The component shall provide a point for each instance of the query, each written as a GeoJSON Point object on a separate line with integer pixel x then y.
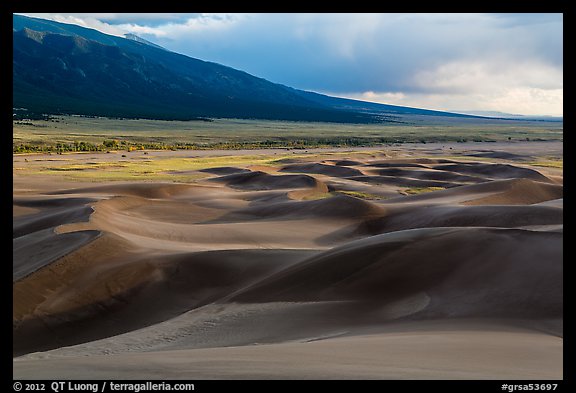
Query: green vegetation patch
{"type": "Point", "coordinates": [419, 190]}
{"type": "Point", "coordinates": [359, 194]}
{"type": "Point", "coordinates": [548, 163]}
{"type": "Point", "coordinates": [152, 168]}
{"type": "Point", "coordinates": [72, 134]}
{"type": "Point", "coordinates": [318, 196]}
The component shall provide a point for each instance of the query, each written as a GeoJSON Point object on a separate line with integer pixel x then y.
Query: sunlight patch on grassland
{"type": "Point", "coordinates": [548, 163]}
{"type": "Point", "coordinates": [359, 194]}
{"type": "Point", "coordinates": [419, 190]}
{"type": "Point", "coordinates": [152, 168]}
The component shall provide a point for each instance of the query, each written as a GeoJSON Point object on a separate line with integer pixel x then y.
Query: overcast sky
{"type": "Point", "coordinates": [459, 62]}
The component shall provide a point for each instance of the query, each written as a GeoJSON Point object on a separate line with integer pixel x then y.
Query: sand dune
{"type": "Point", "coordinates": [493, 171]}
{"type": "Point", "coordinates": [347, 163]}
{"type": "Point", "coordinates": [35, 250]}
{"type": "Point", "coordinates": [322, 169]}
{"type": "Point", "coordinates": [147, 289]}
{"type": "Point", "coordinates": [145, 190]}
{"type": "Point", "coordinates": [336, 207]}
{"type": "Point", "coordinates": [521, 192]}
{"type": "Point", "coordinates": [508, 355]}
{"type": "Point", "coordinates": [209, 229]}
{"type": "Point", "coordinates": [554, 203]}
{"type": "Point", "coordinates": [503, 155]}
{"type": "Point", "coordinates": [497, 192]}
{"type": "Point", "coordinates": [49, 219]}
{"type": "Point", "coordinates": [396, 164]}
{"type": "Point", "coordinates": [46, 203]}
{"type": "Point", "coordinates": [225, 170]}
{"type": "Point", "coordinates": [427, 174]}
{"type": "Point", "coordinates": [263, 181]}
{"type": "Point", "coordinates": [403, 181]}
{"type": "Point", "coordinates": [390, 267]}
{"type": "Point", "coordinates": [499, 216]}
{"type": "Point", "coordinates": [409, 162]}
{"type": "Point", "coordinates": [322, 270]}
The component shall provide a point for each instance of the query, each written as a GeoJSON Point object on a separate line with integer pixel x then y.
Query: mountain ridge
{"type": "Point", "coordinates": [66, 68]}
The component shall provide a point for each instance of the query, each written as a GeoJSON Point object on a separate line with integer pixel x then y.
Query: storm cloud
{"type": "Point", "coordinates": [503, 62]}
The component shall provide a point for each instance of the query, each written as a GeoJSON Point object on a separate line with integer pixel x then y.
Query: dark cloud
{"type": "Point", "coordinates": [368, 52]}
{"type": "Point", "coordinates": [412, 54]}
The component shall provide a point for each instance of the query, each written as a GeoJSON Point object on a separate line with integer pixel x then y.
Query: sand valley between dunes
{"type": "Point", "coordinates": [413, 261]}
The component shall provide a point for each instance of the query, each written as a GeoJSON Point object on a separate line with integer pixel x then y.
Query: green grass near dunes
{"type": "Point", "coordinates": [155, 168]}
{"type": "Point", "coordinates": [355, 194]}
{"type": "Point", "coordinates": [318, 196]}
{"type": "Point", "coordinates": [96, 133]}
{"type": "Point", "coordinates": [359, 194]}
{"type": "Point", "coordinates": [419, 190]}
{"type": "Point", "coordinates": [177, 169]}
{"type": "Point", "coordinates": [548, 163]}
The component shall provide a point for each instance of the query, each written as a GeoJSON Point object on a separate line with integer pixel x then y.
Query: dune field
{"type": "Point", "coordinates": [413, 261]}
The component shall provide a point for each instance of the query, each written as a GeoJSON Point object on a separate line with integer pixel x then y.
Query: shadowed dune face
{"type": "Point", "coordinates": [497, 192]}
{"type": "Point", "coordinates": [50, 218]}
{"type": "Point", "coordinates": [145, 190]}
{"type": "Point", "coordinates": [317, 251]}
{"type": "Point", "coordinates": [263, 181]}
{"type": "Point", "coordinates": [404, 181]}
{"type": "Point", "coordinates": [33, 251]}
{"type": "Point", "coordinates": [409, 162]}
{"type": "Point", "coordinates": [338, 207]}
{"type": "Point", "coordinates": [442, 263]}
{"type": "Point", "coordinates": [225, 170]}
{"type": "Point", "coordinates": [323, 169]}
{"type": "Point", "coordinates": [443, 173]}
{"type": "Point", "coordinates": [493, 171]}
{"type": "Point", "coordinates": [347, 163]}
{"type": "Point", "coordinates": [438, 216]}
{"type": "Point", "coordinates": [420, 172]}
{"type": "Point", "coordinates": [142, 289]}
{"type": "Point", "coordinates": [427, 174]}
{"type": "Point", "coordinates": [499, 155]}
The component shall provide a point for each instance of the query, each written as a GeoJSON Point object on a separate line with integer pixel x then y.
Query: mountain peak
{"type": "Point", "coordinates": [134, 37]}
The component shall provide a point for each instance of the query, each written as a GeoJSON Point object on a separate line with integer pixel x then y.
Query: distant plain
{"type": "Point", "coordinates": [238, 133]}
